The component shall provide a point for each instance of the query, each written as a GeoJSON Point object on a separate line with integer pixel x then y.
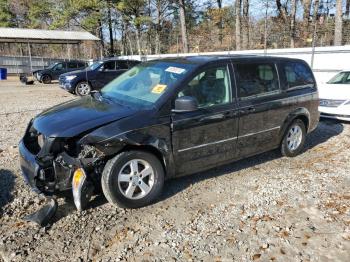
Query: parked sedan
{"type": "Point", "coordinates": [94, 77]}
{"type": "Point", "coordinates": [168, 118]}
{"type": "Point", "coordinates": [55, 70]}
{"type": "Point", "coordinates": [335, 97]}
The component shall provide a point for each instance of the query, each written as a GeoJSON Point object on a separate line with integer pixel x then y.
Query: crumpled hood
{"type": "Point", "coordinates": [75, 117]}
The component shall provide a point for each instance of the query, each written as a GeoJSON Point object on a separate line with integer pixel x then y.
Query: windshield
{"type": "Point", "coordinates": [52, 65]}
{"type": "Point", "coordinates": [341, 78]}
{"type": "Point", "coordinates": [145, 83]}
{"type": "Point", "coordinates": [94, 65]}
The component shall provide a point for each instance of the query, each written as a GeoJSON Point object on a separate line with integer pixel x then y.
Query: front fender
{"type": "Point", "coordinates": [154, 137]}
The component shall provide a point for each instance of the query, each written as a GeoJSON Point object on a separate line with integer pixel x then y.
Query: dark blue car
{"type": "Point", "coordinates": [94, 77]}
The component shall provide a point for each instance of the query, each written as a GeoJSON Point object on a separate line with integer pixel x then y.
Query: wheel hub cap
{"type": "Point", "coordinates": [84, 89]}
{"type": "Point", "coordinates": [136, 179]}
{"type": "Point", "coordinates": [294, 137]}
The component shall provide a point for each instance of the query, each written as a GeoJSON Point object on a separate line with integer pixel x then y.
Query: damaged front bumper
{"type": "Point", "coordinates": [51, 178]}
{"type": "Point", "coordinates": [30, 168]}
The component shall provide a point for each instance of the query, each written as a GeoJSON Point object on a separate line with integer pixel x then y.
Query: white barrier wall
{"type": "Point", "coordinates": [327, 60]}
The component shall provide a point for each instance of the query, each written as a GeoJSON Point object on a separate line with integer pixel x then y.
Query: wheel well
{"type": "Point", "coordinates": [81, 81]}
{"type": "Point", "coordinates": [148, 149]}
{"type": "Point", "coordinates": [305, 121]}
{"type": "Point", "coordinates": [303, 118]}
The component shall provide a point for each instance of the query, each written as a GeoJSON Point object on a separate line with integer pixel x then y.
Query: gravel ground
{"type": "Point", "coordinates": [265, 208]}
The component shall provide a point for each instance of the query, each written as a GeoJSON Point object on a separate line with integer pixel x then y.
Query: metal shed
{"type": "Point", "coordinates": [38, 36]}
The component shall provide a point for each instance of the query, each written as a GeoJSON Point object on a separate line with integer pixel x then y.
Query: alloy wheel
{"type": "Point", "coordinates": [83, 89]}
{"type": "Point", "coordinates": [136, 179]}
{"type": "Point", "coordinates": [294, 137]}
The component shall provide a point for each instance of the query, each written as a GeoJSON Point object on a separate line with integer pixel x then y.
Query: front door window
{"type": "Point", "coordinates": [210, 87]}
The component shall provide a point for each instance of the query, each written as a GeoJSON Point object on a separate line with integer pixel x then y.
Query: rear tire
{"type": "Point", "coordinates": [132, 179]}
{"type": "Point", "coordinates": [82, 88]}
{"type": "Point", "coordinates": [294, 139]}
{"type": "Point", "coordinates": [46, 79]}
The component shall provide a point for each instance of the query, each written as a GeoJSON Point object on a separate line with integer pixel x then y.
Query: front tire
{"type": "Point", "coordinates": [132, 179]}
{"type": "Point", "coordinates": [83, 88]}
{"type": "Point", "coordinates": [294, 139]}
{"type": "Point", "coordinates": [46, 79]}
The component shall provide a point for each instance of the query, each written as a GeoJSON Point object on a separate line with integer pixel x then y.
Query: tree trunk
{"type": "Point", "coordinates": [292, 23]}
{"type": "Point", "coordinates": [158, 27]}
{"type": "Point", "coordinates": [282, 11]}
{"type": "Point", "coordinates": [111, 50]}
{"type": "Point", "coordinates": [306, 18]}
{"type": "Point", "coordinates": [314, 23]}
{"type": "Point", "coordinates": [183, 26]}
{"type": "Point", "coordinates": [101, 37]}
{"type": "Point", "coordinates": [238, 24]}
{"type": "Point", "coordinates": [221, 24]}
{"type": "Point", "coordinates": [130, 44]}
{"type": "Point", "coordinates": [138, 43]}
{"type": "Point", "coordinates": [347, 10]}
{"type": "Point", "coordinates": [306, 12]}
{"type": "Point", "coordinates": [338, 23]}
{"type": "Point", "coordinates": [245, 25]}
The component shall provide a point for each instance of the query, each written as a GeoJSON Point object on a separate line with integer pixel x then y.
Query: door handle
{"type": "Point", "coordinates": [248, 110]}
{"type": "Point", "coordinates": [220, 116]}
{"type": "Point", "coordinates": [212, 117]}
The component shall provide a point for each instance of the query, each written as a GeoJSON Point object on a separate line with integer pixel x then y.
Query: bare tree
{"type": "Point", "coordinates": [314, 34]}
{"type": "Point", "coordinates": [183, 26]}
{"type": "Point", "coordinates": [282, 10]}
{"type": "Point", "coordinates": [238, 24]}
{"type": "Point", "coordinates": [110, 27]}
{"type": "Point", "coordinates": [292, 23]}
{"type": "Point", "coordinates": [338, 23]}
{"type": "Point", "coordinates": [161, 10]}
{"type": "Point", "coordinates": [219, 2]}
{"type": "Point", "coordinates": [306, 12]}
{"type": "Point", "coordinates": [245, 25]}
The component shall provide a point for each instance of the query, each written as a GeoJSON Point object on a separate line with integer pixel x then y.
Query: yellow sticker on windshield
{"type": "Point", "coordinates": [158, 89]}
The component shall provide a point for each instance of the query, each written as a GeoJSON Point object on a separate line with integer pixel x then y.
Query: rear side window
{"type": "Point", "coordinates": [297, 75]}
{"type": "Point", "coordinates": [81, 65]}
{"type": "Point", "coordinates": [256, 79]}
{"type": "Point", "coordinates": [72, 65]}
{"type": "Point", "coordinates": [122, 65]}
{"type": "Point", "coordinates": [132, 63]}
{"type": "Point", "coordinates": [109, 66]}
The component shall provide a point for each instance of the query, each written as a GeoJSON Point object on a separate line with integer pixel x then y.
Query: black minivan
{"type": "Point", "coordinates": [96, 76]}
{"type": "Point", "coordinates": [168, 118]}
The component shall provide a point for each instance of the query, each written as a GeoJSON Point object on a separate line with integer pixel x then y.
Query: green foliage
{"type": "Point", "coordinates": [6, 17]}
{"type": "Point", "coordinates": [134, 12]}
{"type": "Point", "coordinates": [83, 13]}
{"type": "Point", "coordinates": [39, 13]}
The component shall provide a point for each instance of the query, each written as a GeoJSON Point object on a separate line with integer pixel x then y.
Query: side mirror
{"type": "Point", "coordinates": [185, 104]}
